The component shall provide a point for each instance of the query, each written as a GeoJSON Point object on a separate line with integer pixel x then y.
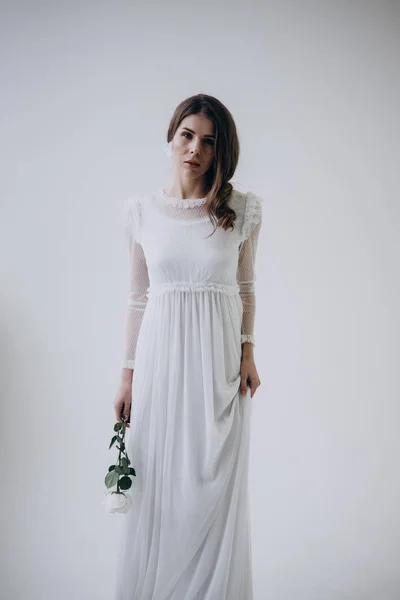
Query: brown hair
{"type": "Point", "coordinates": [226, 147]}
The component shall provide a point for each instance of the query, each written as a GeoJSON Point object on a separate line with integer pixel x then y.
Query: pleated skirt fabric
{"type": "Point", "coordinates": [187, 535]}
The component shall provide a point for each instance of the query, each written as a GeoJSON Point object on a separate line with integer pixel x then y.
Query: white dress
{"type": "Point", "coordinates": [191, 305]}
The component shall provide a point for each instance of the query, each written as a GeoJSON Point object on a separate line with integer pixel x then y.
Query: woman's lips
{"type": "Point", "coordinates": [192, 165]}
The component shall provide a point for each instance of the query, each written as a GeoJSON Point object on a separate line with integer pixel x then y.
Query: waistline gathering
{"type": "Point", "coordinates": [192, 286]}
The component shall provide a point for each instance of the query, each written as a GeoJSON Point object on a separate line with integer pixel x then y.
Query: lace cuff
{"type": "Point", "coordinates": [128, 364]}
{"type": "Point", "coordinates": [247, 338]}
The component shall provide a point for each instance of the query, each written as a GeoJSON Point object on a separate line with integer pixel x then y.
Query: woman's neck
{"type": "Point", "coordinates": [185, 191]}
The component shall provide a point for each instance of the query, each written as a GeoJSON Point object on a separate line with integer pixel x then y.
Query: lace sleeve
{"type": "Point", "coordinates": [246, 274]}
{"type": "Point", "coordinates": [138, 281]}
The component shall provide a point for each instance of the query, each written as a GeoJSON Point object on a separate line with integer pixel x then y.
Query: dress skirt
{"type": "Point", "coordinates": [187, 535]}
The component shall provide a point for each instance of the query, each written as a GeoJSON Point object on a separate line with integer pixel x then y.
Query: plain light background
{"type": "Point", "coordinates": [88, 89]}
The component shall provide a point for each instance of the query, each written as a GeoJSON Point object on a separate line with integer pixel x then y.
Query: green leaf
{"type": "Point", "coordinates": [125, 483]}
{"type": "Point", "coordinates": [112, 441]}
{"type": "Point", "coordinates": [132, 471]}
{"type": "Point", "coordinates": [111, 478]}
{"type": "Point", "coordinates": [117, 426]}
{"type": "Point", "coordinates": [110, 468]}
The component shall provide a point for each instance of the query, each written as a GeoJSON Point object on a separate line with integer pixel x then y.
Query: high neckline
{"type": "Point", "coordinates": [181, 202]}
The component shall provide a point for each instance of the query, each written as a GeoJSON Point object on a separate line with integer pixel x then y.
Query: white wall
{"type": "Point", "coordinates": [88, 89]}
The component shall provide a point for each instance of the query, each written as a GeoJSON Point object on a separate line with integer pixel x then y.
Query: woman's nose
{"type": "Point", "coordinates": [196, 148]}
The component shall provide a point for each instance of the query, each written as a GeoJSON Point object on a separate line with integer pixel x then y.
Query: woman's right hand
{"type": "Point", "coordinates": [123, 401]}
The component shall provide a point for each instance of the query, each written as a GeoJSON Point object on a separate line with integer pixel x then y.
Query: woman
{"type": "Point", "coordinates": [189, 343]}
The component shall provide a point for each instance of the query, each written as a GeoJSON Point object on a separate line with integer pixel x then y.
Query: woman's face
{"type": "Point", "coordinates": [194, 141]}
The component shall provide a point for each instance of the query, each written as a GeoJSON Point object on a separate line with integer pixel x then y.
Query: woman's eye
{"type": "Point", "coordinates": [207, 140]}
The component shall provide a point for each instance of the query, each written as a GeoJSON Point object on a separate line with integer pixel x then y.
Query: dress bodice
{"type": "Point", "coordinates": [171, 248]}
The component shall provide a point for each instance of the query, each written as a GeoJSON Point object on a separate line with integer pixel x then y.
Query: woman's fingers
{"type": "Point", "coordinates": [126, 412]}
{"type": "Point", "coordinates": [253, 386]}
{"type": "Point", "coordinates": [243, 385]}
{"type": "Point", "coordinates": [122, 410]}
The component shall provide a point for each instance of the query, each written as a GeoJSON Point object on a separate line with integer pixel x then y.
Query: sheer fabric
{"type": "Point", "coordinates": [137, 296]}
{"type": "Point", "coordinates": [191, 307]}
{"type": "Point", "coordinates": [249, 218]}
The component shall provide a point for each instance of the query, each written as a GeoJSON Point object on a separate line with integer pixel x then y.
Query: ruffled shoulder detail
{"type": "Point", "coordinates": [252, 213]}
{"type": "Point", "coordinates": [131, 217]}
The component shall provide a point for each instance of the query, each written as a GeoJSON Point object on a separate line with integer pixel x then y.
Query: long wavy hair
{"type": "Point", "coordinates": [226, 148]}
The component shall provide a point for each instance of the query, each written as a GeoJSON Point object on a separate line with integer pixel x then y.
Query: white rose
{"type": "Point", "coordinates": [115, 502]}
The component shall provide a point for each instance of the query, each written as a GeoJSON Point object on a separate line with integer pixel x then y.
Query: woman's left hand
{"type": "Point", "coordinates": [248, 371]}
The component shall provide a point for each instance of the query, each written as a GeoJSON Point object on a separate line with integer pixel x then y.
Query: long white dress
{"type": "Point", "coordinates": [191, 305]}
